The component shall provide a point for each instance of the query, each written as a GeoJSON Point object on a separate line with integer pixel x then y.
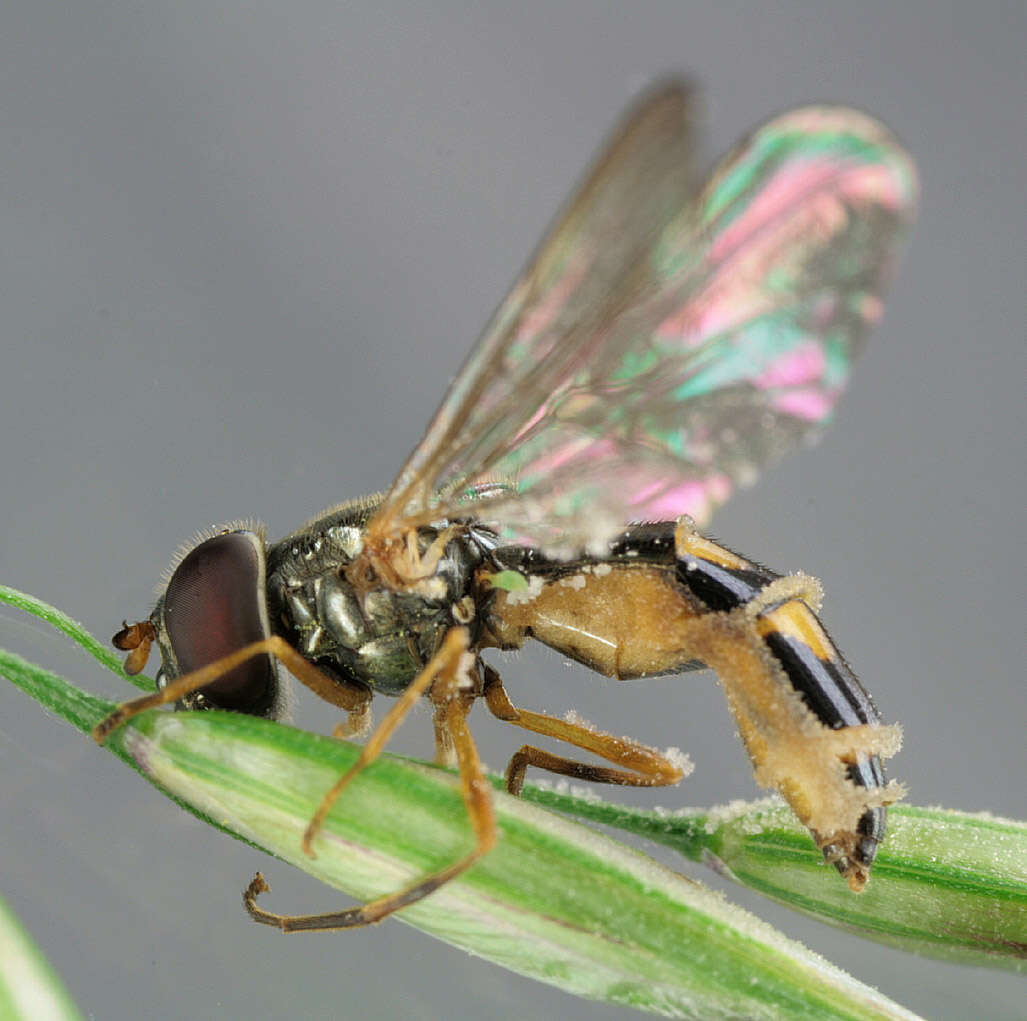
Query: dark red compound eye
{"type": "Point", "coordinates": [215, 605]}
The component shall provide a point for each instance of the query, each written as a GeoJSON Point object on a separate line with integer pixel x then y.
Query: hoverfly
{"type": "Point", "coordinates": [664, 343]}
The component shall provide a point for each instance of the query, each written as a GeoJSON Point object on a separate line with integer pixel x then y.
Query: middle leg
{"type": "Point", "coordinates": [451, 705]}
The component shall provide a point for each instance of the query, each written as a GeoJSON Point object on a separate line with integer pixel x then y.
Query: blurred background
{"type": "Point", "coordinates": [246, 245]}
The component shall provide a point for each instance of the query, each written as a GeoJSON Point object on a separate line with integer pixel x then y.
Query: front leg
{"type": "Point", "coordinates": [355, 699]}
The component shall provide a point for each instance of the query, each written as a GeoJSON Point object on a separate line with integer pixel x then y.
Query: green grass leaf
{"type": "Point", "coordinates": [946, 884]}
{"type": "Point", "coordinates": [555, 900]}
{"type": "Point", "coordinates": [29, 988]}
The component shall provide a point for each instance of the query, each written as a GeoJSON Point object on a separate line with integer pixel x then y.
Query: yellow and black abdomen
{"type": "Point", "coordinates": [667, 599]}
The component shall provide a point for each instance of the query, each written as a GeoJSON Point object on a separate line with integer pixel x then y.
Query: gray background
{"type": "Point", "coordinates": [245, 245]}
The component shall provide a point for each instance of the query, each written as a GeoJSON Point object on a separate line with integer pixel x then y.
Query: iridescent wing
{"type": "Point", "coordinates": [665, 342]}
